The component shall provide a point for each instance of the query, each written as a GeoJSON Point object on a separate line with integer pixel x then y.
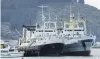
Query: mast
{"type": "Point", "coordinates": [70, 12]}
{"type": "Point", "coordinates": [71, 25]}
{"type": "Point", "coordinates": [30, 20]}
{"type": "Point", "coordinates": [49, 16]}
{"type": "Point", "coordinates": [43, 18]}
{"type": "Point", "coordinates": [49, 19]}
{"type": "Point", "coordinates": [78, 15]}
{"type": "Point", "coordinates": [78, 19]}
{"type": "Point", "coordinates": [56, 18]}
{"type": "Point", "coordinates": [71, 15]}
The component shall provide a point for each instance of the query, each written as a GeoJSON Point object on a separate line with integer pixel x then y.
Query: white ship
{"type": "Point", "coordinates": [7, 52]}
{"type": "Point", "coordinates": [48, 39]}
{"type": "Point", "coordinates": [41, 39]}
{"type": "Point", "coordinates": [76, 39]}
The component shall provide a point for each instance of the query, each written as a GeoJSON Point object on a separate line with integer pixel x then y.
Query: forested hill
{"type": "Point", "coordinates": [15, 13]}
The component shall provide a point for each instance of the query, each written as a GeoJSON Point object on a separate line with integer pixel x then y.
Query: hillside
{"type": "Point", "coordinates": [24, 12]}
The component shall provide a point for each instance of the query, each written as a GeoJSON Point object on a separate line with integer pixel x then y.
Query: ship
{"type": "Point", "coordinates": [47, 39]}
{"type": "Point", "coordinates": [76, 39]}
{"type": "Point", "coordinates": [41, 39]}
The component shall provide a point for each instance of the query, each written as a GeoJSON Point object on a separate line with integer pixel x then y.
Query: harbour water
{"type": "Point", "coordinates": [95, 54]}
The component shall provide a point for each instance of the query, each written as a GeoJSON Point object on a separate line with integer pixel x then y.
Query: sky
{"type": "Point", "coordinates": [95, 3]}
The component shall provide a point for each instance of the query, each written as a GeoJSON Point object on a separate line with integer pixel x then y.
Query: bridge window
{"type": "Point", "coordinates": [4, 51]}
{"type": "Point", "coordinates": [78, 30]}
{"type": "Point", "coordinates": [11, 50]}
{"type": "Point", "coordinates": [41, 31]}
{"type": "Point", "coordinates": [48, 31]}
{"type": "Point", "coordinates": [68, 34]}
{"type": "Point", "coordinates": [77, 33]}
{"type": "Point", "coordinates": [75, 30]}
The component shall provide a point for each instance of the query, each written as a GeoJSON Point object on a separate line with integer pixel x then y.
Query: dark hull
{"type": "Point", "coordinates": [77, 53]}
{"type": "Point", "coordinates": [45, 50]}
{"type": "Point", "coordinates": [81, 48]}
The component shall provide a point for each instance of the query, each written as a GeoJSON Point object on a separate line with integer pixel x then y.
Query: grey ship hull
{"type": "Point", "coordinates": [81, 48]}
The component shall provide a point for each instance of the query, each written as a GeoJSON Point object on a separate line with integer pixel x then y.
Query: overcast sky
{"type": "Point", "coordinates": [95, 3]}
